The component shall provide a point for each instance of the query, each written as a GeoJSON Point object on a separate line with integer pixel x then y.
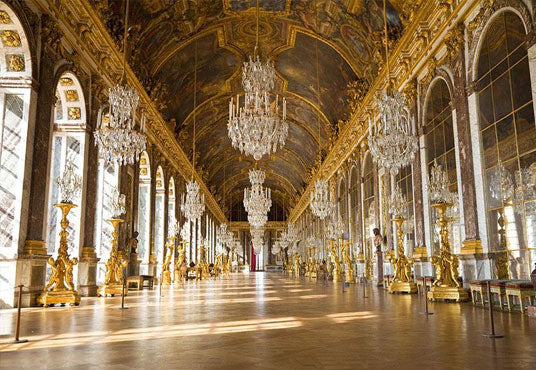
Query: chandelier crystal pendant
{"type": "Point", "coordinates": [391, 141]}
{"type": "Point", "coordinates": [321, 204]}
{"type": "Point", "coordinates": [117, 203]}
{"type": "Point", "coordinates": [257, 239]}
{"type": "Point", "coordinates": [257, 200]}
{"type": "Point", "coordinates": [224, 235]}
{"type": "Point", "coordinates": [117, 139]}
{"type": "Point", "coordinates": [69, 184]}
{"type": "Point", "coordinates": [193, 204]}
{"type": "Point", "coordinates": [397, 204]}
{"type": "Point", "coordinates": [256, 128]}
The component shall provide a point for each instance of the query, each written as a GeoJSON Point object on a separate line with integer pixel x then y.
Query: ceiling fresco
{"type": "Point", "coordinates": [163, 37]}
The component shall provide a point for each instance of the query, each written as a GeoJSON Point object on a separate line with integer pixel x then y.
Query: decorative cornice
{"type": "Point", "coordinates": [87, 34]}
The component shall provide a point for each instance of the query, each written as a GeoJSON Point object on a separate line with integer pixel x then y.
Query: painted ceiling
{"type": "Point", "coordinates": [165, 35]}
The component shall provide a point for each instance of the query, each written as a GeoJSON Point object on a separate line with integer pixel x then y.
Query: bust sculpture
{"type": "Point", "coordinates": [133, 243]}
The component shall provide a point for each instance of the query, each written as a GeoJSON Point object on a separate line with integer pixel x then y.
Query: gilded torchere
{"type": "Point", "coordinates": [296, 265]}
{"type": "Point", "coordinates": [349, 273]}
{"type": "Point", "coordinates": [113, 281]}
{"type": "Point", "coordinates": [337, 270]}
{"type": "Point", "coordinates": [179, 270]}
{"type": "Point", "coordinates": [403, 279]}
{"type": "Point", "coordinates": [60, 287]}
{"type": "Point", "coordinates": [166, 271]}
{"type": "Point", "coordinates": [446, 285]}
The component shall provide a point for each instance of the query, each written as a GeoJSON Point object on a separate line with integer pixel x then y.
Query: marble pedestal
{"type": "Point", "coordinates": [474, 267]}
{"type": "Point", "coordinates": [31, 267]}
{"type": "Point", "coordinates": [87, 273]}
{"type": "Point", "coordinates": [134, 265]}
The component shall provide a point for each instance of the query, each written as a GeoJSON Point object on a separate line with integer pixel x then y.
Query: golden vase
{"type": "Point", "coordinates": [403, 279]}
{"type": "Point", "coordinates": [60, 286]}
{"type": "Point", "coordinates": [113, 281]}
{"type": "Point", "coordinates": [446, 286]}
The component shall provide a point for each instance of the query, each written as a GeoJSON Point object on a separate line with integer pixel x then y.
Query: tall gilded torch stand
{"type": "Point", "coordinates": [166, 271]}
{"type": "Point", "coordinates": [113, 281]}
{"type": "Point", "coordinates": [60, 287]}
{"type": "Point", "coordinates": [402, 280]}
{"type": "Point", "coordinates": [349, 274]}
{"type": "Point", "coordinates": [314, 264]}
{"type": "Point", "coordinates": [446, 285]}
{"type": "Point", "coordinates": [337, 270]}
{"type": "Point", "coordinates": [180, 264]}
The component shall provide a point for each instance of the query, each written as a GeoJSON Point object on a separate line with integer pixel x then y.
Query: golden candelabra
{"type": "Point", "coordinates": [337, 270]}
{"type": "Point", "coordinates": [166, 271]}
{"type": "Point", "coordinates": [60, 287]}
{"type": "Point", "coordinates": [313, 270]}
{"type": "Point", "coordinates": [349, 274]}
{"type": "Point", "coordinates": [446, 285]}
{"type": "Point", "coordinates": [203, 264]}
{"type": "Point", "coordinates": [218, 265]}
{"type": "Point", "coordinates": [296, 265]}
{"type": "Point", "coordinates": [501, 262]}
{"type": "Point", "coordinates": [113, 280]}
{"type": "Point", "coordinates": [402, 280]}
{"type": "Point", "coordinates": [179, 270]}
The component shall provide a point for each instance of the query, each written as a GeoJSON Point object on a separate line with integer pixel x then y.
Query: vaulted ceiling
{"type": "Point", "coordinates": [165, 34]}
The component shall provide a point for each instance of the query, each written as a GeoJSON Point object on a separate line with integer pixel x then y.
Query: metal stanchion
{"type": "Point", "coordinates": [364, 286]}
{"type": "Point", "coordinates": [17, 326]}
{"type": "Point", "coordinates": [123, 295]}
{"type": "Point", "coordinates": [426, 311]}
{"type": "Point", "coordinates": [491, 321]}
{"type": "Point", "coordinates": [160, 289]}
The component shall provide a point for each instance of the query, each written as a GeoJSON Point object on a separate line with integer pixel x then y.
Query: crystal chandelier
{"type": "Point", "coordinates": [224, 235]}
{"type": "Point", "coordinates": [438, 187]}
{"type": "Point", "coordinates": [391, 140]}
{"type": "Point", "coordinates": [321, 204]}
{"type": "Point", "coordinates": [397, 204]}
{"type": "Point", "coordinates": [335, 228]}
{"type": "Point", "coordinates": [257, 239]}
{"type": "Point", "coordinates": [185, 232]}
{"type": "Point", "coordinates": [193, 204]}
{"type": "Point", "coordinates": [256, 128]}
{"type": "Point", "coordinates": [257, 200]}
{"type": "Point", "coordinates": [117, 139]}
{"type": "Point", "coordinates": [117, 203]}
{"type": "Point", "coordinates": [70, 184]}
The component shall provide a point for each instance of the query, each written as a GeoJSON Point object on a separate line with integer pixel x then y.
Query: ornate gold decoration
{"type": "Point", "coordinates": [15, 63]}
{"type": "Point", "coordinates": [337, 270]}
{"type": "Point", "coordinates": [10, 38]}
{"type": "Point", "coordinates": [420, 253]}
{"type": "Point", "coordinates": [296, 265]}
{"type": "Point", "coordinates": [218, 266]}
{"type": "Point", "coordinates": [74, 113]}
{"type": "Point", "coordinates": [4, 17]}
{"type": "Point", "coordinates": [35, 247]}
{"type": "Point", "coordinates": [88, 253]}
{"type": "Point", "coordinates": [66, 81]}
{"type": "Point", "coordinates": [402, 280]}
{"type": "Point", "coordinates": [166, 272]}
{"type": "Point", "coordinates": [113, 280]}
{"type": "Point", "coordinates": [349, 273]}
{"type": "Point", "coordinates": [501, 262]}
{"type": "Point", "coordinates": [203, 263]}
{"type": "Point", "coordinates": [446, 286]}
{"type": "Point", "coordinates": [71, 95]}
{"type": "Point", "coordinates": [179, 270]}
{"type": "Point", "coordinates": [356, 92]}
{"type": "Point", "coordinates": [60, 287]}
{"type": "Point", "coordinates": [472, 247]}
{"type": "Point", "coordinates": [454, 42]}
{"type": "Point", "coordinates": [486, 6]}
{"type": "Point", "coordinates": [369, 269]}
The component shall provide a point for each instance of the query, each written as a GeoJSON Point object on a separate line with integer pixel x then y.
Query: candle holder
{"type": "Point", "coordinates": [166, 271]}
{"type": "Point", "coordinates": [60, 286]}
{"type": "Point", "coordinates": [349, 273]}
{"type": "Point", "coordinates": [179, 270]}
{"type": "Point", "coordinates": [337, 270]}
{"type": "Point", "coordinates": [446, 286]}
{"type": "Point", "coordinates": [113, 280]}
{"type": "Point", "coordinates": [403, 279]}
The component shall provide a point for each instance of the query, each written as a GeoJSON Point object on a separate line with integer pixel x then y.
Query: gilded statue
{"type": "Point", "coordinates": [337, 270]}
{"type": "Point", "coordinates": [349, 264]}
{"type": "Point", "coordinates": [166, 272]}
{"type": "Point", "coordinates": [218, 265]}
{"type": "Point", "coordinates": [297, 267]}
{"type": "Point", "coordinates": [180, 267]}
{"type": "Point", "coordinates": [113, 278]}
{"type": "Point", "coordinates": [203, 264]}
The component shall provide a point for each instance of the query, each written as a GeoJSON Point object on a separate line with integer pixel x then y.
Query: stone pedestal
{"type": "Point", "coordinates": [133, 265]}
{"type": "Point", "coordinates": [31, 272]}
{"type": "Point", "coordinates": [87, 272]}
{"type": "Point", "coordinates": [152, 267]}
{"type": "Point", "coordinates": [474, 267]}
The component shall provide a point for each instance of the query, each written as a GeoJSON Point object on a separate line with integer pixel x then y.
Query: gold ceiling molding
{"type": "Point", "coordinates": [83, 27]}
{"type": "Point", "coordinates": [270, 225]}
{"type": "Point", "coordinates": [422, 39]}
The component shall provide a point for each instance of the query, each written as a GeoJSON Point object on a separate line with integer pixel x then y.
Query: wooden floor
{"type": "Point", "coordinates": [266, 321]}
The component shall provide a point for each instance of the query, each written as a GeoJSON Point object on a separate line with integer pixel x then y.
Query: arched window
{"type": "Point", "coordinates": [159, 209]}
{"type": "Point", "coordinates": [15, 99]}
{"type": "Point", "coordinates": [343, 204]}
{"type": "Point", "coordinates": [144, 210]}
{"type": "Point", "coordinates": [354, 206]}
{"type": "Point", "coordinates": [439, 144]}
{"type": "Point", "coordinates": [508, 137]}
{"type": "Point", "coordinates": [369, 211]}
{"type": "Point", "coordinates": [69, 138]}
{"type": "Point", "coordinates": [172, 219]}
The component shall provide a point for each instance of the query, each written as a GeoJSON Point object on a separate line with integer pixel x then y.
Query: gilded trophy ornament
{"type": "Point", "coordinates": [60, 286]}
